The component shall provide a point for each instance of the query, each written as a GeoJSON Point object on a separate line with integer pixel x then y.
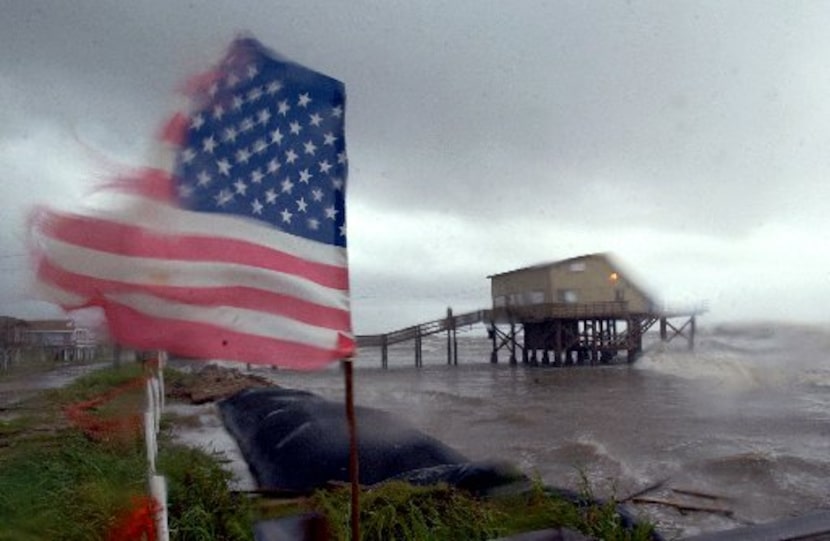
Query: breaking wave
{"type": "Point", "coordinates": [746, 356]}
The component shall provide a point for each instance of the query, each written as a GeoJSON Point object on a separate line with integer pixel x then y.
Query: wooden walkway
{"type": "Point", "coordinates": [449, 324]}
{"type": "Point", "coordinates": [588, 331]}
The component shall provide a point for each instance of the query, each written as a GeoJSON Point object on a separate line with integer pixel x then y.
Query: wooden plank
{"type": "Point", "coordinates": [685, 506]}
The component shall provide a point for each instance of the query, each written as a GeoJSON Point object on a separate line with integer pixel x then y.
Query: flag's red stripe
{"type": "Point", "coordinates": [203, 341]}
{"type": "Point", "coordinates": [155, 184]}
{"type": "Point", "coordinates": [240, 297]}
{"type": "Point", "coordinates": [175, 131]}
{"type": "Point", "coordinates": [127, 240]}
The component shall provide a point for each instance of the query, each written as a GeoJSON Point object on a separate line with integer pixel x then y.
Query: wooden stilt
{"type": "Point", "coordinates": [494, 355]}
{"type": "Point", "coordinates": [449, 335]}
{"type": "Point", "coordinates": [513, 343]}
{"type": "Point", "coordinates": [692, 329]}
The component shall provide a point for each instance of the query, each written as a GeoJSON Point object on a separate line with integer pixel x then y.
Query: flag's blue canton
{"type": "Point", "coordinates": [269, 144]}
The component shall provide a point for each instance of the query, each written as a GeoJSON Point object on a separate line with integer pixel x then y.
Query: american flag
{"type": "Point", "coordinates": [236, 252]}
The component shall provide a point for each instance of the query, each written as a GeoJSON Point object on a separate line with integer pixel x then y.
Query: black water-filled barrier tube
{"type": "Point", "coordinates": [297, 441]}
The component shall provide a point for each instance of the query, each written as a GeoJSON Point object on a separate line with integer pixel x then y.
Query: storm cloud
{"type": "Point", "coordinates": [690, 138]}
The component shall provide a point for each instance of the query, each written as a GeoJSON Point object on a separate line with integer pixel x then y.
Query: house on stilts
{"type": "Point", "coordinates": [585, 309]}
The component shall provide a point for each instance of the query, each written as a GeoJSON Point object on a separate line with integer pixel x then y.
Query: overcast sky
{"type": "Point", "coordinates": [692, 139]}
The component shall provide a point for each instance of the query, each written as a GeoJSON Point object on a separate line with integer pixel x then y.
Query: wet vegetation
{"type": "Point", "coordinates": [57, 482]}
{"type": "Point", "coordinates": [397, 510]}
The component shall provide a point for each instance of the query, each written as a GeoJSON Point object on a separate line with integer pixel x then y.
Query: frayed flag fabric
{"type": "Point", "coordinates": [237, 251]}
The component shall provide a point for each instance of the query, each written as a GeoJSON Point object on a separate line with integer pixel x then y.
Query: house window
{"type": "Point", "coordinates": [567, 295]}
{"type": "Point", "coordinates": [578, 266]}
{"type": "Point", "coordinates": [536, 297]}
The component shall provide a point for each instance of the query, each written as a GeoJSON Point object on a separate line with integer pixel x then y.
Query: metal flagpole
{"type": "Point", "coordinates": [353, 462]}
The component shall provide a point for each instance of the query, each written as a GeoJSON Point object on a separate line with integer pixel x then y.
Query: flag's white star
{"type": "Point", "coordinates": [313, 224]}
{"type": "Point", "coordinates": [240, 186]}
{"type": "Point", "coordinates": [246, 125]}
{"type": "Point", "coordinates": [304, 100]}
{"type": "Point", "coordinates": [197, 122]}
{"type": "Point", "coordinates": [203, 178]}
{"type": "Point", "coordinates": [305, 176]}
{"type": "Point", "coordinates": [243, 155]}
{"type": "Point", "coordinates": [337, 111]}
{"type": "Point", "coordinates": [263, 116]}
{"type": "Point", "coordinates": [274, 165]}
{"type": "Point", "coordinates": [331, 212]}
{"type": "Point", "coordinates": [252, 71]}
{"type": "Point", "coordinates": [224, 167]}
{"type": "Point", "coordinates": [287, 185]}
{"type": "Point", "coordinates": [223, 198]}
{"type": "Point", "coordinates": [310, 147]}
{"type": "Point", "coordinates": [295, 128]}
{"type": "Point", "coordinates": [232, 80]}
{"type": "Point", "coordinates": [218, 112]}
{"type": "Point", "coordinates": [185, 191]}
{"type": "Point", "coordinates": [286, 216]}
{"type": "Point", "coordinates": [188, 154]}
{"type": "Point", "coordinates": [237, 102]}
{"type": "Point", "coordinates": [257, 176]}
{"type": "Point", "coordinates": [276, 136]}
{"type": "Point", "coordinates": [254, 94]}
{"type": "Point", "coordinates": [271, 196]}
{"type": "Point", "coordinates": [208, 144]}
{"type": "Point", "coordinates": [301, 205]}
{"type": "Point", "coordinates": [256, 206]}
{"type": "Point", "coordinates": [343, 230]}
{"type": "Point", "coordinates": [329, 138]}
{"type": "Point", "coordinates": [229, 136]}
{"type": "Point", "coordinates": [290, 156]}
{"type": "Point", "coordinates": [317, 194]}
{"type": "Point", "coordinates": [325, 166]}
{"type": "Point", "coordinates": [341, 157]}
{"type": "Point", "coordinates": [315, 119]}
{"type": "Point", "coordinates": [283, 108]}
{"type": "Point", "coordinates": [337, 183]}
{"type": "Point", "coordinates": [260, 146]}
{"type": "Point", "coordinates": [273, 87]}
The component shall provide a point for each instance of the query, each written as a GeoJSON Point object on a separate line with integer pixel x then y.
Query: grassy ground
{"type": "Point", "coordinates": [60, 482]}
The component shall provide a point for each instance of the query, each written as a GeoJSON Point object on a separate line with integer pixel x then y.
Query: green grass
{"type": "Point", "coordinates": [400, 511]}
{"type": "Point", "coordinates": [66, 488]}
{"type": "Point", "coordinates": [201, 507]}
{"type": "Point", "coordinates": [404, 512]}
{"type": "Point", "coordinates": [55, 483]}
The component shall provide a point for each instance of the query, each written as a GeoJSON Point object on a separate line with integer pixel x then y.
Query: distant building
{"type": "Point", "coordinates": [59, 339]}
{"type": "Point", "coordinates": [12, 339]}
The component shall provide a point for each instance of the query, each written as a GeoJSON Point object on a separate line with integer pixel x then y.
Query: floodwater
{"type": "Point", "coordinates": [744, 419]}
{"type": "Point", "coordinates": [17, 387]}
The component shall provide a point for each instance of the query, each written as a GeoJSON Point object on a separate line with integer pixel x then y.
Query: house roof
{"type": "Point", "coordinates": [632, 280]}
{"type": "Point", "coordinates": [7, 322]}
{"type": "Point", "coordinates": [51, 325]}
{"type": "Point", "coordinates": [551, 264]}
